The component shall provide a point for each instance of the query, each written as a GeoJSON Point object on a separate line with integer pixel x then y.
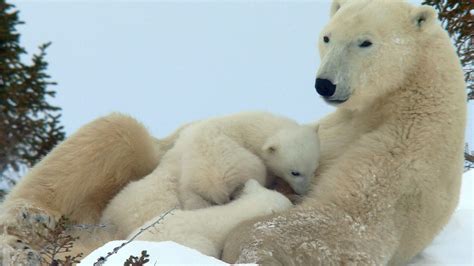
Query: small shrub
{"type": "Point", "coordinates": [136, 261]}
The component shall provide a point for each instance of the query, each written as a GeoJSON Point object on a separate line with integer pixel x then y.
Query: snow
{"type": "Point", "coordinates": [161, 253]}
{"type": "Point", "coordinates": [453, 246]}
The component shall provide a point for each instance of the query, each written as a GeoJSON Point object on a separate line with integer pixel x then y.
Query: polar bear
{"type": "Point", "coordinates": [206, 229]}
{"type": "Point", "coordinates": [219, 154]}
{"type": "Point", "coordinates": [391, 153]}
{"type": "Point", "coordinates": [211, 159]}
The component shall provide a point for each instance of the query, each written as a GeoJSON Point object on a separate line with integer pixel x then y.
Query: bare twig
{"type": "Point", "coordinates": [59, 241]}
{"type": "Point", "coordinates": [88, 226]}
{"type": "Point", "coordinates": [100, 261]}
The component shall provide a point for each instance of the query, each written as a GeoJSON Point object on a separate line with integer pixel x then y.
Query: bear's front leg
{"type": "Point", "coordinates": [308, 236]}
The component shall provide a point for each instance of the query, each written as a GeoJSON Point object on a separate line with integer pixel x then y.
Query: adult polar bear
{"type": "Point", "coordinates": [391, 160]}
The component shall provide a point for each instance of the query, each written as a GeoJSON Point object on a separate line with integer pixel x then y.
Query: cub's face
{"type": "Point", "coordinates": [368, 49]}
{"type": "Point", "coordinates": [293, 155]}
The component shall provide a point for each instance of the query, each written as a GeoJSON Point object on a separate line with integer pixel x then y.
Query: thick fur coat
{"type": "Point", "coordinates": [217, 155]}
{"type": "Point", "coordinates": [391, 155]}
{"type": "Point", "coordinates": [206, 229]}
{"type": "Point", "coordinates": [210, 160]}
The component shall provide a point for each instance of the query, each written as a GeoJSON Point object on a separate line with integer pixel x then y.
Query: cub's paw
{"type": "Point", "coordinates": [252, 186]}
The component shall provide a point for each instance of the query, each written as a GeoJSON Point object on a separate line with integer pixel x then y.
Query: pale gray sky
{"type": "Point", "coordinates": [170, 62]}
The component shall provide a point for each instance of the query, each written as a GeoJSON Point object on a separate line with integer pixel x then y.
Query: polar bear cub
{"type": "Point", "coordinates": [210, 159]}
{"type": "Point", "coordinates": [206, 229]}
{"type": "Point", "coordinates": [219, 154]}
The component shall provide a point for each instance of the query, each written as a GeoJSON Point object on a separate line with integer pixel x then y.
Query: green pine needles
{"type": "Point", "coordinates": [29, 125]}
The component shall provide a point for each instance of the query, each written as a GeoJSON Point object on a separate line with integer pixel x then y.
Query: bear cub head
{"type": "Point", "coordinates": [293, 155]}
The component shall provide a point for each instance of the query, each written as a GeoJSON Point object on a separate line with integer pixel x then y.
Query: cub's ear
{"type": "Point", "coordinates": [316, 128]}
{"type": "Point", "coordinates": [335, 6]}
{"type": "Point", "coordinates": [423, 15]}
{"type": "Point", "coordinates": [270, 147]}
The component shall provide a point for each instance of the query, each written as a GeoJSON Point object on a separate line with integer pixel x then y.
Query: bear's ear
{"type": "Point", "coordinates": [422, 16]}
{"type": "Point", "coordinates": [316, 128]}
{"type": "Point", "coordinates": [270, 148]}
{"type": "Point", "coordinates": [335, 6]}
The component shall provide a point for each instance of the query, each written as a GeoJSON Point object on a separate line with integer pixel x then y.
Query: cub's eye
{"type": "Point", "coordinates": [326, 39]}
{"type": "Point", "coordinates": [295, 173]}
{"type": "Point", "coordinates": [365, 44]}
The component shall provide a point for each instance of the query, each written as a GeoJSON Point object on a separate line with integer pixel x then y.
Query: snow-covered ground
{"type": "Point", "coordinates": [453, 246]}
{"type": "Point", "coordinates": [161, 253]}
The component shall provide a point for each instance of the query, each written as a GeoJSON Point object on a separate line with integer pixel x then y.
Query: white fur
{"type": "Point", "coordinates": [206, 229]}
{"type": "Point", "coordinates": [391, 154]}
{"type": "Point", "coordinates": [390, 168]}
{"type": "Point", "coordinates": [219, 154]}
{"type": "Point", "coordinates": [211, 159]}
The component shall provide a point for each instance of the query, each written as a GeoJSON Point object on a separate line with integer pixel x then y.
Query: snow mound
{"type": "Point", "coordinates": [161, 253]}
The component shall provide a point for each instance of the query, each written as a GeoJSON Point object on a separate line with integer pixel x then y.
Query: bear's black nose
{"type": "Point", "coordinates": [325, 87]}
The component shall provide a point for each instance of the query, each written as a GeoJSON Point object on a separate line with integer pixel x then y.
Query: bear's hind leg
{"type": "Point", "coordinates": [80, 175]}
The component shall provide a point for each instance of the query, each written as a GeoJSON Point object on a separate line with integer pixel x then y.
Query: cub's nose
{"type": "Point", "coordinates": [325, 87]}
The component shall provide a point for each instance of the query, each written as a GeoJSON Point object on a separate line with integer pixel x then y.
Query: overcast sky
{"type": "Point", "coordinates": [170, 62]}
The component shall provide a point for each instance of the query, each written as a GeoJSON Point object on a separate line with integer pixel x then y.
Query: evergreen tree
{"type": "Point", "coordinates": [457, 17]}
{"type": "Point", "coordinates": [29, 125]}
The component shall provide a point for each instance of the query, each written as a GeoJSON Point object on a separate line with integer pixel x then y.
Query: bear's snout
{"type": "Point", "coordinates": [325, 87]}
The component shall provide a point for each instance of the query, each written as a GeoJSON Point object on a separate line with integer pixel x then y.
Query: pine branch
{"type": "Point", "coordinates": [29, 125]}
{"type": "Point", "coordinates": [469, 157]}
{"type": "Point", "coordinates": [470, 95]}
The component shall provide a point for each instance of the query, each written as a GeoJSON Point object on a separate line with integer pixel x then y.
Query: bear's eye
{"type": "Point", "coordinates": [365, 44]}
{"type": "Point", "coordinates": [326, 39]}
{"type": "Point", "coordinates": [295, 173]}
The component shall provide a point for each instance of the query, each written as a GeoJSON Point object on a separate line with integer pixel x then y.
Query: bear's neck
{"type": "Point", "coordinates": [433, 94]}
